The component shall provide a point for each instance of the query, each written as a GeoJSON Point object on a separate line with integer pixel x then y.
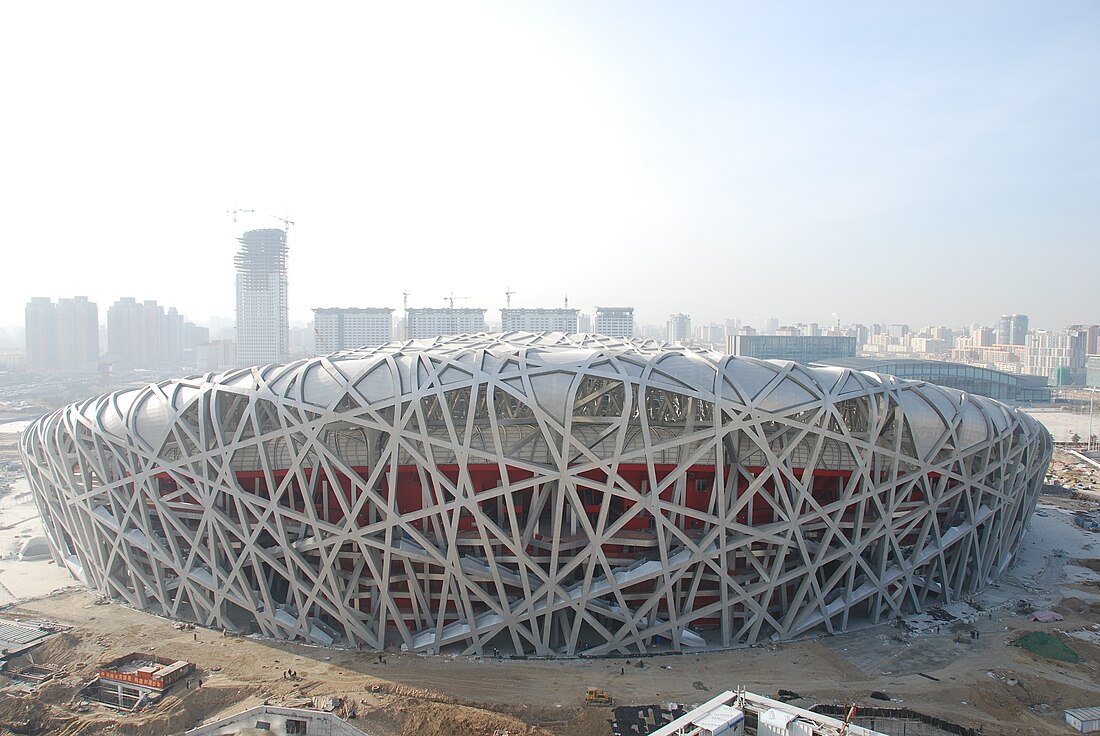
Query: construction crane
{"type": "Point", "coordinates": [508, 295]}
{"type": "Point", "coordinates": [286, 223]}
{"type": "Point", "coordinates": [238, 212]}
{"type": "Point", "coordinates": [451, 299]}
{"type": "Point", "coordinates": [320, 341]}
{"type": "Point", "coordinates": [454, 318]}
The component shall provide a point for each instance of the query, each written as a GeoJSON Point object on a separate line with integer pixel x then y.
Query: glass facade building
{"type": "Point", "coordinates": [1006, 387]}
{"type": "Point", "coordinates": [799, 348]}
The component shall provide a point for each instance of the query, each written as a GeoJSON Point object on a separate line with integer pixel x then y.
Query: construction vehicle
{"type": "Point", "coordinates": [597, 697]}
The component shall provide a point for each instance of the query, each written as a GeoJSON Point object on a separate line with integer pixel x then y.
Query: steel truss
{"type": "Point", "coordinates": [540, 494]}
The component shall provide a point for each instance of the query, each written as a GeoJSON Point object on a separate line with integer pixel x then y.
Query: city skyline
{"type": "Point", "coordinates": [730, 160]}
{"type": "Point", "coordinates": [656, 314]}
{"type": "Point", "coordinates": [142, 335]}
{"type": "Point", "coordinates": [765, 324]}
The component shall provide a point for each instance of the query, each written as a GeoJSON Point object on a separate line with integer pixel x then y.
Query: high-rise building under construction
{"type": "Point", "coordinates": [262, 324]}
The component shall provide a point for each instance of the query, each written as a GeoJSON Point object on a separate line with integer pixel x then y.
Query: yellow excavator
{"type": "Point", "coordinates": [597, 697]}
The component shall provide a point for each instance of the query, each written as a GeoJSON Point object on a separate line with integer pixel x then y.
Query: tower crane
{"type": "Point", "coordinates": [451, 299]}
{"type": "Point", "coordinates": [286, 223]}
{"type": "Point", "coordinates": [508, 296]}
{"type": "Point", "coordinates": [320, 341]}
{"type": "Point", "coordinates": [454, 318]}
{"type": "Point", "coordinates": [238, 212]}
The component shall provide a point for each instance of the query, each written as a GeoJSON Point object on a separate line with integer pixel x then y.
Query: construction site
{"type": "Point", "coordinates": [1009, 661]}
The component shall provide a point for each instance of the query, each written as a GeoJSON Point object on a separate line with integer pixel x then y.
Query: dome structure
{"type": "Point", "coordinates": [538, 494]}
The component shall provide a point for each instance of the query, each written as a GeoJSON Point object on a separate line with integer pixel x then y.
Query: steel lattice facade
{"type": "Point", "coordinates": [541, 494]}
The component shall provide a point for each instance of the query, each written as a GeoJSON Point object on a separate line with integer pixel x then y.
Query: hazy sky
{"type": "Point", "coordinates": [921, 162]}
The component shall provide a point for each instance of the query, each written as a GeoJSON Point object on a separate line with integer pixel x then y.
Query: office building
{"type": "Point", "coordinates": [678, 329]}
{"type": "Point", "coordinates": [347, 329]}
{"type": "Point", "coordinates": [1012, 329]}
{"type": "Point", "coordinates": [539, 320]}
{"type": "Point", "coordinates": [425, 323]}
{"type": "Point", "coordinates": [615, 321]}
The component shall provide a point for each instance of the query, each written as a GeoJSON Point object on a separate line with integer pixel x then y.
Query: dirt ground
{"type": "Point", "coordinates": [940, 669]}
{"type": "Point", "coordinates": [441, 695]}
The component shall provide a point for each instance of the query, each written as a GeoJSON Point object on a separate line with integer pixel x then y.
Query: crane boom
{"type": "Point", "coordinates": [286, 222]}
{"type": "Point", "coordinates": [451, 299]}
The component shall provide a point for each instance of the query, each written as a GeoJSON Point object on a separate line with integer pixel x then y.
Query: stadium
{"type": "Point", "coordinates": [536, 494]}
